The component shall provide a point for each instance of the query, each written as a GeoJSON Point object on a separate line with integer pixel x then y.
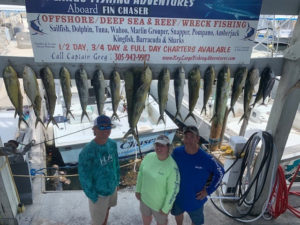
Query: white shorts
{"type": "Point", "coordinates": [99, 209]}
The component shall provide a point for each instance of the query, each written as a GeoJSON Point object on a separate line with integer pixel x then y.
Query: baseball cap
{"type": "Point", "coordinates": [103, 122]}
{"type": "Point", "coordinates": [162, 139]}
{"type": "Point", "coordinates": [191, 129]}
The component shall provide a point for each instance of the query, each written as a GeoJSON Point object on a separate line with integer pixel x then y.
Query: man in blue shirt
{"type": "Point", "coordinates": [195, 167]}
{"type": "Point", "coordinates": [99, 171]}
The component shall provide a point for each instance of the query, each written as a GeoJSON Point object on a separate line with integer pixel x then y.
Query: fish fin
{"type": "Point", "coordinates": [21, 118]}
{"type": "Point", "coordinates": [69, 112]}
{"type": "Point", "coordinates": [231, 109]}
{"type": "Point", "coordinates": [178, 114]}
{"type": "Point", "coordinates": [39, 120]}
{"type": "Point", "coordinates": [161, 117]}
{"type": "Point", "coordinates": [192, 115]}
{"type": "Point", "coordinates": [115, 116]}
{"type": "Point", "coordinates": [84, 113]}
{"type": "Point", "coordinates": [53, 121]}
{"type": "Point", "coordinates": [130, 131]}
{"type": "Point", "coordinates": [203, 108]}
{"type": "Point", "coordinates": [213, 118]}
{"type": "Point", "coordinates": [137, 139]}
{"type": "Point", "coordinates": [243, 117]}
{"type": "Point", "coordinates": [188, 115]}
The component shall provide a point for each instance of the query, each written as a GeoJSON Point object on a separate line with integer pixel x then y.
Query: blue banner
{"type": "Point", "coordinates": [197, 9]}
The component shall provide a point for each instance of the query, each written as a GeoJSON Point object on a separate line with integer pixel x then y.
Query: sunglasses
{"type": "Point", "coordinates": [104, 127]}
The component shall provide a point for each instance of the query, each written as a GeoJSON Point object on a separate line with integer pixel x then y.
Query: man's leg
{"type": "Point", "coordinates": [197, 216]}
{"type": "Point", "coordinates": [147, 220]}
{"type": "Point", "coordinates": [179, 219]}
{"type": "Point", "coordinates": [106, 217]}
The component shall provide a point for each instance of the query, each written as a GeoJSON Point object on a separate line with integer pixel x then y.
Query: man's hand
{"type": "Point", "coordinates": [138, 196]}
{"type": "Point", "coordinates": [161, 212]}
{"type": "Point", "coordinates": [201, 194]}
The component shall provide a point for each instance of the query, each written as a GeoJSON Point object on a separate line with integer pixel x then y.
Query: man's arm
{"type": "Point", "coordinates": [117, 164]}
{"type": "Point", "coordinates": [217, 172]}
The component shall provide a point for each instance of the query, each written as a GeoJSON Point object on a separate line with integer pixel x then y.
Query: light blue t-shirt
{"type": "Point", "coordinates": [98, 168]}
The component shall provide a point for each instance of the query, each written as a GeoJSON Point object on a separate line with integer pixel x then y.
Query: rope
{"type": "Point", "coordinates": [278, 202]}
{"type": "Point", "coordinates": [66, 175]}
{"type": "Point", "coordinates": [43, 142]}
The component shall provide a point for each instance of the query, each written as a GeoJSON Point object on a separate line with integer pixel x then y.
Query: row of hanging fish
{"type": "Point", "coordinates": [137, 85]}
{"type": "Point", "coordinates": [31, 89]}
{"type": "Point", "coordinates": [243, 80]}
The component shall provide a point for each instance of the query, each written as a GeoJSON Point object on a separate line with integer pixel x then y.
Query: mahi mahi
{"type": "Point", "coordinates": [65, 82]}
{"type": "Point", "coordinates": [222, 92]}
{"type": "Point", "coordinates": [220, 105]}
{"type": "Point", "coordinates": [179, 81]}
{"type": "Point", "coordinates": [81, 79]}
{"type": "Point", "coordinates": [194, 79]}
{"type": "Point", "coordinates": [98, 83]}
{"type": "Point", "coordinates": [163, 91]}
{"type": "Point", "coordinates": [251, 81]}
{"type": "Point", "coordinates": [237, 87]}
{"type": "Point", "coordinates": [139, 98]}
{"type": "Point", "coordinates": [31, 89]}
{"type": "Point", "coordinates": [266, 84]}
{"type": "Point", "coordinates": [129, 78]}
{"type": "Point", "coordinates": [49, 85]}
{"type": "Point", "coordinates": [115, 92]}
{"type": "Point", "coordinates": [209, 78]}
{"type": "Point", "coordinates": [12, 86]}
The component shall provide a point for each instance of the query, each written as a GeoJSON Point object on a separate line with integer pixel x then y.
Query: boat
{"type": "Point", "coordinates": [275, 29]}
{"type": "Point", "coordinates": [72, 135]}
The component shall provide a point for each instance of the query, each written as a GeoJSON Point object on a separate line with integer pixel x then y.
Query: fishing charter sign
{"type": "Point", "coordinates": [152, 31]}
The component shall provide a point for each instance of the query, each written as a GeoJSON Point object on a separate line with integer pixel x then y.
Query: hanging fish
{"type": "Point", "coordinates": [209, 78]}
{"type": "Point", "coordinates": [31, 89]}
{"type": "Point", "coordinates": [163, 91]}
{"type": "Point", "coordinates": [81, 79]}
{"type": "Point", "coordinates": [65, 82]}
{"type": "Point", "coordinates": [222, 92]}
{"type": "Point", "coordinates": [179, 81]}
{"type": "Point", "coordinates": [194, 80]}
{"type": "Point", "coordinates": [139, 98]}
{"type": "Point", "coordinates": [98, 83]}
{"type": "Point", "coordinates": [115, 92]}
{"type": "Point", "coordinates": [270, 84]}
{"type": "Point", "coordinates": [49, 85]}
{"type": "Point", "coordinates": [251, 81]}
{"type": "Point", "coordinates": [129, 78]}
{"type": "Point", "coordinates": [266, 84]}
{"type": "Point", "coordinates": [237, 87]}
{"type": "Point", "coordinates": [12, 86]}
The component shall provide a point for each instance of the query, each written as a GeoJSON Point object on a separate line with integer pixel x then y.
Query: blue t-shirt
{"type": "Point", "coordinates": [194, 173]}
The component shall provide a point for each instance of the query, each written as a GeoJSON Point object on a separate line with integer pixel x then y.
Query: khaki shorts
{"type": "Point", "coordinates": [99, 209]}
{"type": "Point", "coordinates": [146, 211]}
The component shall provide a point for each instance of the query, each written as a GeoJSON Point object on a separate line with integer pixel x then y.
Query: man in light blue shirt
{"type": "Point", "coordinates": [99, 171]}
